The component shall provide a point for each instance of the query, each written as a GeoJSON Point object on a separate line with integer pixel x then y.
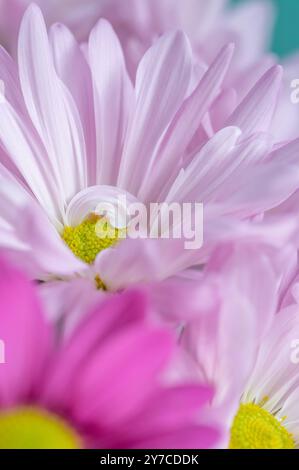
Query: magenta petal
{"type": "Point", "coordinates": [107, 318]}
{"type": "Point", "coordinates": [121, 375]}
{"type": "Point", "coordinates": [170, 409]}
{"type": "Point", "coordinates": [192, 437]}
{"type": "Point", "coordinates": [26, 336]}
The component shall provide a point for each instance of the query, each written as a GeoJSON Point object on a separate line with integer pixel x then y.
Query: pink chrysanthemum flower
{"type": "Point", "coordinates": [268, 416]}
{"type": "Point", "coordinates": [208, 25]}
{"type": "Point", "coordinates": [247, 348]}
{"type": "Point", "coordinates": [102, 387]}
{"type": "Point", "coordinates": [75, 133]}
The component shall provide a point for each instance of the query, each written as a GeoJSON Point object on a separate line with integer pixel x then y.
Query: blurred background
{"type": "Point", "coordinates": [286, 37]}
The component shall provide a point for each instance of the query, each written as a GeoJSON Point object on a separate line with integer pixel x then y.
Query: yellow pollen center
{"type": "Point", "coordinates": [34, 428]}
{"type": "Point", "coordinates": [92, 236]}
{"type": "Point", "coordinates": [255, 428]}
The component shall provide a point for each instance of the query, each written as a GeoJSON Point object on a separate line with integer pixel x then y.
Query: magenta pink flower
{"type": "Point", "coordinates": [102, 387]}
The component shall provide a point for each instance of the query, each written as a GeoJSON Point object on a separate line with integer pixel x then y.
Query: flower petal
{"type": "Point", "coordinates": [113, 98]}
{"type": "Point", "coordinates": [50, 105]}
{"type": "Point", "coordinates": [26, 336]}
{"type": "Point", "coordinates": [131, 364]}
{"type": "Point", "coordinates": [162, 81]}
{"type": "Point", "coordinates": [68, 56]}
{"type": "Point", "coordinates": [186, 122]}
{"type": "Point", "coordinates": [256, 111]}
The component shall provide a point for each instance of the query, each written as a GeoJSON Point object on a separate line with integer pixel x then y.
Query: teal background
{"type": "Point", "coordinates": [286, 35]}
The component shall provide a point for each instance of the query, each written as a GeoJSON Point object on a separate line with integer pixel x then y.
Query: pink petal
{"type": "Point", "coordinates": [162, 81]}
{"type": "Point", "coordinates": [182, 298]}
{"type": "Point", "coordinates": [30, 161]}
{"type": "Point", "coordinates": [68, 57]}
{"type": "Point", "coordinates": [187, 121]}
{"type": "Point", "coordinates": [192, 437]}
{"type": "Point", "coordinates": [253, 191]}
{"type": "Point", "coordinates": [143, 260]}
{"type": "Point", "coordinates": [44, 249]}
{"type": "Point", "coordinates": [206, 167]}
{"type": "Point", "coordinates": [106, 319]}
{"type": "Point", "coordinates": [256, 111]}
{"type": "Point", "coordinates": [169, 410]}
{"type": "Point", "coordinates": [226, 340]}
{"type": "Point", "coordinates": [59, 126]}
{"type": "Point", "coordinates": [130, 365]}
{"type": "Point", "coordinates": [113, 99]}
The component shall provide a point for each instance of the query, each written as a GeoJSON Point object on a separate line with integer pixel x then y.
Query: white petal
{"type": "Point", "coordinates": [101, 200]}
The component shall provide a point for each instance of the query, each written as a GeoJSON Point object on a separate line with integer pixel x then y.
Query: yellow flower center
{"type": "Point", "coordinates": [255, 428]}
{"type": "Point", "coordinates": [34, 428]}
{"type": "Point", "coordinates": [92, 236]}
